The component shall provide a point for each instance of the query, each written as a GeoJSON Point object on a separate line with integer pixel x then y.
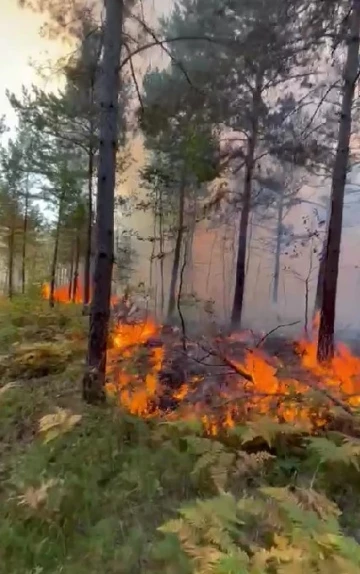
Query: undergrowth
{"type": "Point", "coordinates": [88, 490]}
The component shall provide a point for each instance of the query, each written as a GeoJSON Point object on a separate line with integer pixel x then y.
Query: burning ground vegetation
{"type": "Point", "coordinates": [154, 371]}
{"type": "Point", "coordinates": [221, 455]}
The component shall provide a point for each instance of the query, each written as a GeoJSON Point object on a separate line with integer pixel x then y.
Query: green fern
{"type": "Point", "coordinates": [269, 430]}
{"type": "Point", "coordinates": [328, 452]}
{"type": "Point", "coordinates": [296, 532]}
{"type": "Point", "coordinates": [214, 459]}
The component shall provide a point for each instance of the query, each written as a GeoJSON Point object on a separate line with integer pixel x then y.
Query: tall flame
{"type": "Point", "coordinates": [135, 387]}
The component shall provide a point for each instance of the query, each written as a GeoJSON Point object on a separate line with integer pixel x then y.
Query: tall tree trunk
{"type": "Point", "coordinates": [320, 281]}
{"type": "Point", "coordinates": [76, 269]}
{"type": "Point", "coordinates": [246, 207]}
{"type": "Point", "coordinates": [333, 244]}
{"type": "Point", "coordinates": [91, 156]}
{"type": "Point", "coordinates": [189, 275]}
{"type": "Point", "coordinates": [251, 229]}
{"type": "Point", "coordinates": [11, 246]}
{"type": "Point", "coordinates": [55, 257]}
{"type": "Point", "coordinates": [71, 276]}
{"type": "Point", "coordinates": [87, 265]}
{"type": "Point", "coordinates": [24, 245]}
{"type": "Point", "coordinates": [177, 252]}
{"type": "Point", "coordinates": [94, 378]}
{"type": "Point", "coordinates": [280, 215]}
{"type": "Point", "coordinates": [161, 249]}
{"type": "Point", "coordinates": [321, 272]}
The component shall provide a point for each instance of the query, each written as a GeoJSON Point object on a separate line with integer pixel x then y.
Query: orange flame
{"type": "Point", "coordinates": [133, 374]}
{"type": "Point", "coordinates": [135, 390]}
{"type": "Point", "coordinates": [61, 294]}
{"type": "Point", "coordinates": [341, 376]}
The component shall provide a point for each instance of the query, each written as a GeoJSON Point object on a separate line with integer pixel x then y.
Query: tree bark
{"type": "Point", "coordinates": [177, 252]}
{"type": "Point", "coordinates": [250, 234]}
{"type": "Point", "coordinates": [87, 264]}
{"type": "Point", "coordinates": [71, 276]}
{"type": "Point", "coordinates": [161, 250]}
{"type": "Point", "coordinates": [325, 349]}
{"type": "Point", "coordinates": [320, 281]}
{"type": "Point", "coordinates": [11, 246]}
{"type": "Point", "coordinates": [321, 272]}
{"type": "Point", "coordinates": [91, 155]}
{"type": "Point", "coordinates": [94, 378]}
{"type": "Point", "coordinates": [246, 208]}
{"type": "Point", "coordinates": [76, 269]}
{"type": "Point", "coordinates": [24, 245]}
{"type": "Point", "coordinates": [280, 216]}
{"type": "Point", "coordinates": [55, 257]}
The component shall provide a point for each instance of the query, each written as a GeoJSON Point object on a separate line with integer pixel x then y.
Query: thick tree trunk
{"type": "Point", "coordinates": [55, 258]}
{"type": "Point", "coordinates": [94, 379]}
{"type": "Point", "coordinates": [333, 244]}
{"type": "Point", "coordinates": [24, 245]}
{"type": "Point", "coordinates": [87, 265]}
{"type": "Point", "coordinates": [320, 281]}
{"type": "Point", "coordinates": [280, 215]}
{"type": "Point", "coordinates": [177, 252]}
{"type": "Point", "coordinates": [321, 272]}
{"type": "Point", "coordinates": [76, 269]}
{"type": "Point", "coordinates": [246, 208]}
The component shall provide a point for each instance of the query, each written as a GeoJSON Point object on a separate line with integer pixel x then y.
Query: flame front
{"type": "Point", "coordinates": [270, 388]}
{"type": "Point", "coordinates": [133, 375]}
{"type": "Point", "coordinates": [341, 376]}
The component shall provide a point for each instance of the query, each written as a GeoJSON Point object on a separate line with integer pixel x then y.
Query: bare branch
{"type": "Point", "coordinates": [166, 50]}
{"type": "Point", "coordinates": [261, 341]}
{"type": "Point", "coordinates": [133, 75]}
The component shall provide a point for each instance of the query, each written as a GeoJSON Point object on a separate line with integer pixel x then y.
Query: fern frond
{"type": "Point", "coordinates": [328, 452]}
{"type": "Point", "coordinates": [312, 500]}
{"type": "Point", "coordinates": [202, 445]}
{"type": "Point", "coordinates": [291, 510]}
{"type": "Point", "coordinates": [252, 463]}
{"type": "Point", "coordinates": [269, 430]}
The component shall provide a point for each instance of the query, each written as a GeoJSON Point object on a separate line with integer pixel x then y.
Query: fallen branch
{"type": "Point", "coordinates": [227, 362]}
{"type": "Point", "coordinates": [248, 377]}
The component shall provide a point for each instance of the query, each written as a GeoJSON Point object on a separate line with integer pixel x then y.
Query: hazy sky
{"type": "Point", "coordinates": [19, 42]}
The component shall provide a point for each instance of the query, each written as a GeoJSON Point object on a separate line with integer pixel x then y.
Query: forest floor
{"type": "Point", "coordinates": [98, 489]}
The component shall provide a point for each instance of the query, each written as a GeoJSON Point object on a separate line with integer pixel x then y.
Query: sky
{"type": "Point", "coordinates": [20, 42]}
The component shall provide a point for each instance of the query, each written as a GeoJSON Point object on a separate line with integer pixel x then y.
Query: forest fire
{"type": "Point", "coordinates": [65, 293]}
{"type": "Point", "coordinates": [303, 392]}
